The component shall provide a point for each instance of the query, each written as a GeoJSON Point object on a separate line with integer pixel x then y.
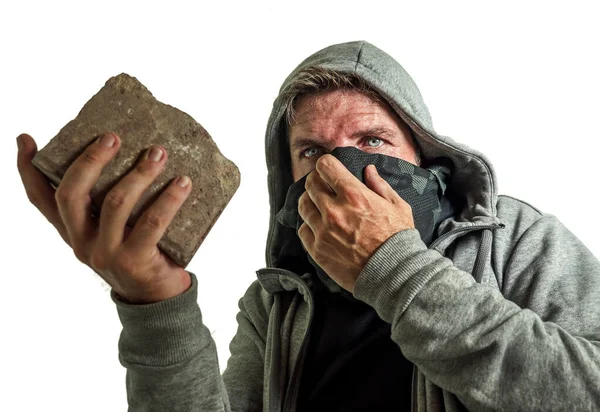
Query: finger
{"type": "Point", "coordinates": [37, 187]}
{"type": "Point", "coordinates": [308, 211]}
{"type": "Point", "coordinates": [73, 193]}
{"type": "Point", "coordinates": [307, 237]}
{"type": "Point", "coordinates": [379, 185]}
{"type": "Point", "coordinates": [335, 174]}
{"type": "Point", "coordinates": [318, 190]}
{"type": "Point", "coordinates": [122, 198]}
{"type": "Point", "coordinates": [152, 224]}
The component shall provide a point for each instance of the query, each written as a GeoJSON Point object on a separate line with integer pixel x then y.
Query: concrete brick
{"type": "Point", "coordinates": [127, 107]}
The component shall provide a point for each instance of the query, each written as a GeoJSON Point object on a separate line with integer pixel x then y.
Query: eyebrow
{"type": "Point", "coordinates": [378, 131]}
{"type": "Point", "coordinates": [373, 131]}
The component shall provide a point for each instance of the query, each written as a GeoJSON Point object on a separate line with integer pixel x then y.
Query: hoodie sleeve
{"type": "Point", "coordinates": [472, 341]}
{"type": "Point", "coordinates": [171, 358]}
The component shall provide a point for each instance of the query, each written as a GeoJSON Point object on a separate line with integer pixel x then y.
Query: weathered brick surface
{"type": "Point", "coordinates": [126, 107]}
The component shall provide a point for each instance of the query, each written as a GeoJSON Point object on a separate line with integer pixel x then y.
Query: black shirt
{"type": "Point", "coordinates": [351, 362]}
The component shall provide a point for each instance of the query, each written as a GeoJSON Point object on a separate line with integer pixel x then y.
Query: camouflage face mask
{"type": "Point", "coordinates": [422, 189]}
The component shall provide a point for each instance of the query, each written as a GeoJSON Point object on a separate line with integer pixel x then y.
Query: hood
{"type": "Point", "coordinates": [473, 179]}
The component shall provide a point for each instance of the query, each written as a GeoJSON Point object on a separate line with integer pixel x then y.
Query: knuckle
{"type": "Point", "coordinates": [354, 196]}
{"type": "Point", "coordinates": [401, 202]}
{"type": "Point", "coordinates": [114, 199]}
{"type": "Point", "coordinates": [324, 160]}
{"type": "Point", "coordinates": [90, 157]}
{"type": "Point", "coordinates": [310, 180]}
{"type": "Point", "coordinates": [80, 252]}
{"type": "Point", "coordinates": [303, 231]}
{"type": "Point", "coordinates": [98, 261]}
{"type": "Point", "coordinates": [301, 201]}
{"type": "Point", "coordinates": [35, 199]}
{"type": "Point", "coordinates": [172, 196]}
{"type": "Point", "coordinates": [64, 234]}
{"type": "Point", "coordinates": [62, 196]}
{"type": "Point", "coordinates": [145, 170]}
{"type": "Point", "coordinates": [332, 216]}
{"type": "Point", "coordinates": [153, 220]}
{"type": "Point", "coordinates": [303, 227]}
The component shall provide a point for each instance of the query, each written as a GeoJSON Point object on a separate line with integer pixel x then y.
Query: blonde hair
{"type": "Point", "coordinates": [316, 80]}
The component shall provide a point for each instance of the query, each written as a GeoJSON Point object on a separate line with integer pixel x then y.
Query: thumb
{"type": "Point", "coordinates": [378, 184]}
{"type": "Point", "coordinates": [27, 147]}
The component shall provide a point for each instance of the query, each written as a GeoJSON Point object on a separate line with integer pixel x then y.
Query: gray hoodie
{"type": "Point", "coordinates": [501, 312]}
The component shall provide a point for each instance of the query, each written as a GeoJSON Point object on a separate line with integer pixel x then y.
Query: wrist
{"type": "Point", "coordinates": [172, 287]}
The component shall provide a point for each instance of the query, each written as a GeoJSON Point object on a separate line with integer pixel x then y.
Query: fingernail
{"type": "Point", "coordinates": [19, 143]}
{"type": "Point", "coordinates": [183, 181]}
{"type": "Point", "coordinates": [155, 154]}
{"type": "Point", "coordinates": [108, 140]}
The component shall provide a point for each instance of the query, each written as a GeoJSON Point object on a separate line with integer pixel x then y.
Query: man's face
{"type": "Point", "coordinates": [345, 118]}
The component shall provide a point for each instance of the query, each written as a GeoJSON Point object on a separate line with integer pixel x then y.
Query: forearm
{"type": "Point", "coordinates": [170, 356]}
{"type": "Point", "coordinates": [471, 341]}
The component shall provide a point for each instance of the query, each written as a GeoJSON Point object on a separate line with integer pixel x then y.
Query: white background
{"type": "Point", "coordinates": [518, 81]}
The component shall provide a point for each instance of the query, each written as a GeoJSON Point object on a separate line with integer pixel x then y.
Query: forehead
{"type": "Point", "coordinates": [338, 110]}
{"type": "Point", "coordinates": [332, 103]}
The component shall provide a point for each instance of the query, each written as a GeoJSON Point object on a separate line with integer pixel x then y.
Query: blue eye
{"type": "Point", "coordinates": [374, 142]}
{"type": "Point", "coordinates": [310, 152]}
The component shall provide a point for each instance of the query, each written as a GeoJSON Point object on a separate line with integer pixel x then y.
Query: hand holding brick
{"type": "Point", "coordinates": [131, 197]}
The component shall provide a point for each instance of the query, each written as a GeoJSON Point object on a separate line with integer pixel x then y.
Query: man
{"type": "Point", "coordinates": [410, 285]}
